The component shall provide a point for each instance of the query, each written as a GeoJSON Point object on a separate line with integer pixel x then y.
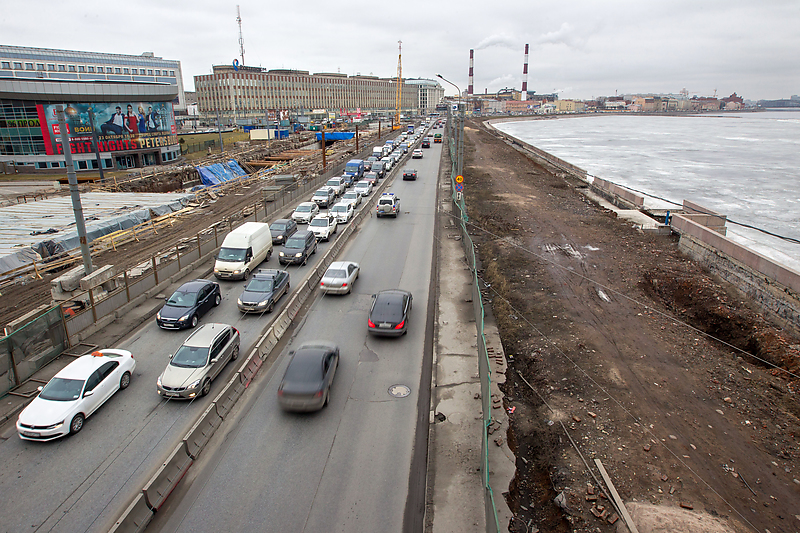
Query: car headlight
{"type": "Point", "coordinates": [184, 317]}
{"type": "Point", "coordinates": [194, 385]}
{"type": "Point", "coordinates": [158, 381]}
{"type": "Point", "coordinates": [55, 426]}
{"type": "Point", "coordinates": [263, 302]}
{"type": "Point", "coordinates": [158, 315]}
{"type": "Point", "coordinates": [239, 301]}
{"type": "Point", "coordinates": [236, 271]}
{"type": "Point", "coordinates": [299, 254]}
{"type": "Point", "coordinates": [280, 254]}
{"type": "Point", "coordinates": [216, 271]}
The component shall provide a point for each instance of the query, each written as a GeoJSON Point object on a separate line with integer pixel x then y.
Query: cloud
{"type": "Point", "coordinates": [501, 39]}
{"type": "Point", "coordinates": [504, 81]}
{"type": "Point", "coordinates": [565, 35]}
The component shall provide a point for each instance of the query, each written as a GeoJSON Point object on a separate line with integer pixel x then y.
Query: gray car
{"type": "Point", "coordinates": [306, 384]}
{"type": "Point", "coordinates": [200, 359]}
{"type": "Point", "coordinates": [264, 289]}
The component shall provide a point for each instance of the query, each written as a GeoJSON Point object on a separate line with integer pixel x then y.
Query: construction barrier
{"type": "Point", "coordinates": [202, 431]}
{"type": "Point", "coordinates": [135, 518]}
{"type": "Point", "coordinates": [249, 369]}
{"type": "Point", "coordinates": [229, 396]}
{"type": "Point", "coordinates": [166, 479]}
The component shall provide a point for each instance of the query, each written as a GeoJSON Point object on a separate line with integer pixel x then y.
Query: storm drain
{"type": "Point", "coordinates": [399, 391]}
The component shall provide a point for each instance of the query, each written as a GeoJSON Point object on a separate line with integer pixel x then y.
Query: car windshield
{"type": "Point", "coordinates": [335, 273]}
{"type": "Point", "coordinates": [339, 209]}
{"type": "Point", "coordinates": [303, 208]}
{"type": "Point", "coordinates": [350, 195]}
{"type": "Point", "coordinates": [190, 357]}
{"type": "Point", "coordinates": [62, 390]}
{"type": "Point", "coordinates": [278, 226]}
{"type": "Point", "coordinates": [304, 368]}
{"type": "Point", "coordinates": [259, 285]}
{"type": "Point", "coordinates": [319, 222]}
{"type": "Point", "coordinates": [296, 242]}
{"type": "Point", "coordinates": [334, 183]}
{"type": "Point", "coordinates": [235, 255]}
{"type": "Point", "coordinates": [321, 193]}
{"type": "Point", "coordinates": [182, 299]}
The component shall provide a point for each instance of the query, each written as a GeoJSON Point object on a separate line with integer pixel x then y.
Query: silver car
{"type": "Point", "coordinates": [340, 277]}
{"type": "Point", "coordinates": [198, 361]}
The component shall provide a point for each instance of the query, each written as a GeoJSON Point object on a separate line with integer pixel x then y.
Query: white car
{"type": "Point", "coordinates": [417, 154]}
{"type": "Point", "coordinates": [305, 212]}
{"type": "Point", "coordinates": [363, 187]}
{"type": "Point", "coordinates": [389, 162]}
{"type": "Point", "coordinates": [77, 391]}
{"type": "Point", "coordinates": [339, 277]}
{"type": "Point", "coordinates": [343, 211]}
{"type": "Point", "coordinates": [337, 184]}
{"type": "Point", "coordinates": [353, 197]}
{"type": "Point", "coordinates": [323, 226]}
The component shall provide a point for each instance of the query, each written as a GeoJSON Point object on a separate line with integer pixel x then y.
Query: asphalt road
{"type": "Point", "coordinates": [347, 467]}
{"type": "Point", "coordinates": [83, 482]}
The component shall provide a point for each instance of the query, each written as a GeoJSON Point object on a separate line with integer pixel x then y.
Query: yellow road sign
{"type": "Point", "coordinates": [459, 179]}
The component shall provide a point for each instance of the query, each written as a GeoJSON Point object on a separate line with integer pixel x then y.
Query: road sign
{"type": "Point", "coordinates": [458, 196]}
{"type": "Point", "coordinates": [459, 178]}
{"type": "Point", "coordinates": [459, 187]}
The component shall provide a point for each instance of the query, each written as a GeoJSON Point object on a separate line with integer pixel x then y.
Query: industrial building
{"type": "Point", "coordinates": [129, 101]}
{"type": "Point", "coordinates": [243, 95]}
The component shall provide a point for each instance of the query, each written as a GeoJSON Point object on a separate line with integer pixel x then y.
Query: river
{"type": "Point", "coordinates": [743, 165]}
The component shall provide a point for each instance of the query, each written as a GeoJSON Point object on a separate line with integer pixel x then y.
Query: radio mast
{"type": "Point", "coordinates": [241, 39]}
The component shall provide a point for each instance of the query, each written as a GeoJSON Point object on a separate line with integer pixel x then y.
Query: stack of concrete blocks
{"type": "Point", "coordinates": [75, 286]}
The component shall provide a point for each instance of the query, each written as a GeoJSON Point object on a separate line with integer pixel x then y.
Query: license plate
{"type": "Point", "coordinates": [31, 434]}
{"type": "Point", "coordinates": [384, 325]}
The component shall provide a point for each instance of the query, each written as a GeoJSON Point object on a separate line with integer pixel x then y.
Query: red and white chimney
{"type": "Point", "coordinates": [524, 95]}
{"type": "Point", "coordinates": [471, 74]}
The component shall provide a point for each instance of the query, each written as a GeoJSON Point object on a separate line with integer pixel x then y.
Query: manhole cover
{"type": "Point", "coordinates": [399, 391]}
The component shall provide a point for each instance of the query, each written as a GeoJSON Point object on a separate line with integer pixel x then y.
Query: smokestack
{"type": "Point", "coordinates": [524, 95]}
{"type": "Point", "coordinates": [471, 74]}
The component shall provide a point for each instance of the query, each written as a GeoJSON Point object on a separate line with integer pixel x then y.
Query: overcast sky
{"type": "Point", "coordinates": [580, 49]}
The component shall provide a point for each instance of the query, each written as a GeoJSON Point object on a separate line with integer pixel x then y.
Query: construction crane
{"type": "Point", "coordinates": [241, 39]}
{"type": "Point", "coordinates": [399, 91]}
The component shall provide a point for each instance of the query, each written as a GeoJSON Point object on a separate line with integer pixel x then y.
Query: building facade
{"type": "Point", "coordinates": [128, 101]}
{"type": "Point", "coordinates": [429, 94]}
{"type": "Point", "coordinates": [252, 95]}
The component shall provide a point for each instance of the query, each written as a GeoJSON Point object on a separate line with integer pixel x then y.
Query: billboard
{"type": "Point", "coordinates": [121, 126]}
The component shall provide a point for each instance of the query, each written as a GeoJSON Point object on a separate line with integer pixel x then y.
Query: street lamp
{"type": "Point", "coordinates": [460, 131]}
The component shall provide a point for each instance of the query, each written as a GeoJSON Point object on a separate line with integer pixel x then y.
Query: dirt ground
{"type": "Point", "coordinates": [623, 346]}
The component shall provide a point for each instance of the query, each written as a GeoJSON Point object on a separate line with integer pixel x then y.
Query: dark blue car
{"type": "Point", "coordinates": [186, 305]}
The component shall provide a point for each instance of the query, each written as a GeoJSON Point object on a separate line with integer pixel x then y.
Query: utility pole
{"type": "Point", "coordinates": [96, 147]}
{"type": "Point", "coordinates": [356, 138]}
{"type": "Point", "coordinates": [324, 160]}
{"type": "Point", "coordinates": [73, 190]}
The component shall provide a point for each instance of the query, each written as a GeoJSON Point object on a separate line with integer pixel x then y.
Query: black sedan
{"type": "Point", "coordinates": [282, 229]}
{"type": "Point", "coordinates": [389, 313]}
{"type": "Point", "coordinates": [306, 385]}
{"type": "Point", "coordinates": [264, 289]}
{"type": "Point", "coordinates": [409, 174]}
{"type": "Point", "coordinates": [186, 305]}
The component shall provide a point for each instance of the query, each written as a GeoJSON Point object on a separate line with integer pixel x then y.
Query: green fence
{"type": "Point", "coordinates": [31, 347]}
{"type": "Point", "coordinates": [455, 128]}
{"type": "Point", "coordinates": [189, 148]}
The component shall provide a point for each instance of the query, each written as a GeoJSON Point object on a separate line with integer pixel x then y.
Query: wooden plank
{"type": "Point", "coordinates": [621, 506]}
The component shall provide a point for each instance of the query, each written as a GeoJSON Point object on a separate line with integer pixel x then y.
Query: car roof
{"type": "Point", "coordinates": [282, 221]}
{"type": "Point", "coordinates": [343, 204]}
{"type": "Point", "coordinates": [84, 365]}
{"type": "Point", "coordinates": [305, 203]}
{"type": "Point", "coordinates": [392, 295]}
{"type": "Point", "coordinates": [194, 285]}
{"type": "Point", "coordinates": [338, 265]}
{"type": "Point", "coordinates": [265, 273]}
{"type": "Point", "coordinates": [302, 234]}
{"type": "Point", "coordinates": [205, 334]}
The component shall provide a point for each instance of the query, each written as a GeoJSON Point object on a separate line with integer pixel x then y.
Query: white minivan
{"type": "Point", "coordinates": [243, 250]}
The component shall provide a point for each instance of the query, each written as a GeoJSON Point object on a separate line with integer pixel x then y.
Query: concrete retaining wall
{"type": "Point", "coordinates": [773, 286]}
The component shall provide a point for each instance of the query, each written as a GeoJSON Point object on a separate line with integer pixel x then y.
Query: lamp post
{"type": "Point", "coordinates": [459, 131]}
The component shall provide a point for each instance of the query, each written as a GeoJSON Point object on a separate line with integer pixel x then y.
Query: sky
{"type": "Point", "coordinates": [579, 49]}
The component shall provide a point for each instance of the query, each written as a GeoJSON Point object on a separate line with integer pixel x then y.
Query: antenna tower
{"type": "Point", "coordinates": [399, 91]}
{"type": "Point", "coordinates": [241, 39]}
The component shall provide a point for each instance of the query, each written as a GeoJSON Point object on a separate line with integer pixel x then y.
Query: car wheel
{"type": "Point", "coordinates": [269, 254]}
{"type": "Point", "coordinates": [271, 306]}
{"type": "Point", "coordinates": [194, 321]}
{"type": "Point", "coordinates": [124, 381]}
{"type": "Point", "coordinates": [206, 388]}
{"type": "Point", "coordinates": [217, 300]}
{"type": "Point", "coordinates": [77, 424]}
{"type": "Point", "coordinates": [327, 396]}
{"type": "Point", "coordinates": [246, 274]}
{"type": "Point", "coordinates": [235, 354]}
{"type": "Point", "coordinates": [305, 260]}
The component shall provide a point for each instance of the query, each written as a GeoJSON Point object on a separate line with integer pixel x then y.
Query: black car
{"type": "Point", "coordinates": [409, 174]}
{"type": "Point", "coordinates": [186, 305]}
{"type": "Point", "coordinates": [282, 229]}
{"type": "Point", "coordinates": [349, 180]}
{"type": "Point", "coordinates": [426, 143]}
{"type": "Point", "coordinates": [389, 313]}
{"type": "Point", "coordinates": [297, 248]}
{"type": "Point", "coordinates": [264, 289]}
{"type": "Point", "coordinates": [306, 384]}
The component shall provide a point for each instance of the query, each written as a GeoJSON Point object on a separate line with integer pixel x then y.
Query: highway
{"type": "Point", "coordinates": [347, 467]}
{"type": "Point", "coordinates": [83, 482]}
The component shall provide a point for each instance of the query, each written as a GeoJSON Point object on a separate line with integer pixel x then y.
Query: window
{"type": "Point", "coordinates": [158, 73]}
{"type": "Point", "coordinates": [149, 72]}
{"type": "Point", "coordinates": [5, 64]}
{"type": "Point", "coordinates": [28, 66]}
{"type": "Point", "coordinates": [172, 73]}
{"type": "Point", "coordinates": [81, 68]}
{"type": "Point", "coordinates": [82, 165]}
{"type": "Point", "coordinates": [134, 71]}
{"type": "Point", "coordinates": [126, 71]}
{"type": "Point", "coordinates": [117, 70]}
{"type": "Point", "coordinates": [72, 68]}
{"type": "Point", "coordinates": [100, 69]}
{"type": "Point", "coordinates": [41, 164]}
{"type": "Point", "coordinates": [62, 68]}
{"type": "Point", "coordinates": [39, 66]}
{"type": "Point", "coordinates": [91, 69]}
{"type": "Point", "coordinates": [17, 65]}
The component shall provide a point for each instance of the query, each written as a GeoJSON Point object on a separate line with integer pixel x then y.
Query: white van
{"type": "Point", "coordinates": [377, 152]}
{"type": "Point", "coordinates": [243, 250]}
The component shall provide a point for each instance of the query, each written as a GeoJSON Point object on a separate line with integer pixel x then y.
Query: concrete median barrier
{"type": "Point", "coordinates": [267, 343]}
{"type": "Point", "coordinates": [167, 478]}
{"type": "Point", "coordinates": [229, 396]}
{"type": "Point", "coordinates": [249, 369]}
{"type": "Point", "coordinates": [202, 431]}
{"type": "Point", "coordinates": [135, 518]}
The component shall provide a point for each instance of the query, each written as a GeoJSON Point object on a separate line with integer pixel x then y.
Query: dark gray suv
{"type": "Point", "coordinates": [297, 248]}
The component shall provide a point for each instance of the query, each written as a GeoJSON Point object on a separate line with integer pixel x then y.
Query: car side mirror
{"type": "Point", "coordinates": [171, 355]}
{"type": "Point", "coordinates": [214, 360]}
{"type": "Point", "coordinates": [166, 298]}
{"type": "Point", "coordinates": [39, 388]}
{"type": "Point", "coordinates": [88, 393]}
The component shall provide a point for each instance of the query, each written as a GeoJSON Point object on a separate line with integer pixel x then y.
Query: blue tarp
{"type": "Point", "coordinates": [336, 135]}
{"type": "Point", "coordinates": [220, 172]}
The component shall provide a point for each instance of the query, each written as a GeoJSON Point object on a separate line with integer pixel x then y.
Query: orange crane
{"type": "Point", "coordinates": [399, 91]}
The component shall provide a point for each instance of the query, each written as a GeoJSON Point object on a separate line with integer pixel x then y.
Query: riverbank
{"type": "Point", "coordinates": [621, 345]}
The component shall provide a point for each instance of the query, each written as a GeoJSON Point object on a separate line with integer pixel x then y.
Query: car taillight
{"type": "Point", "coordinates": [280, 392]}
{"type": "Point", "coordinates": [400, 325]}
{"type": "Point", "coordinates": [344, 284]}
{"type": "Point", "coordinates": [318, 394]}
{"type": "Point", "coordinates": [321, 284]}
{"type": "Point", "coordinates": [370, 323]}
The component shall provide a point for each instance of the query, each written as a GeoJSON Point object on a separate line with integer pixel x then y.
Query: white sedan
{"type": "Point", "coordinates": [363, 187]}
{"type": "Point", "coordinates": [76, 392]}
{"type": "Point", "coordinates": [354, 197]}
{"type": "Point", "coordinates": [323, 226]}
{"type": "Point", "coordinates": [339, 277]}
{"type": "Point", "coordinates": [343, 211]}
{"type": "Point", "coordinates": [305, 212]}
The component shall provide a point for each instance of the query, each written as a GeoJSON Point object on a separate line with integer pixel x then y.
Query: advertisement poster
{"type": "Point", "coordinates": [120, 126]}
